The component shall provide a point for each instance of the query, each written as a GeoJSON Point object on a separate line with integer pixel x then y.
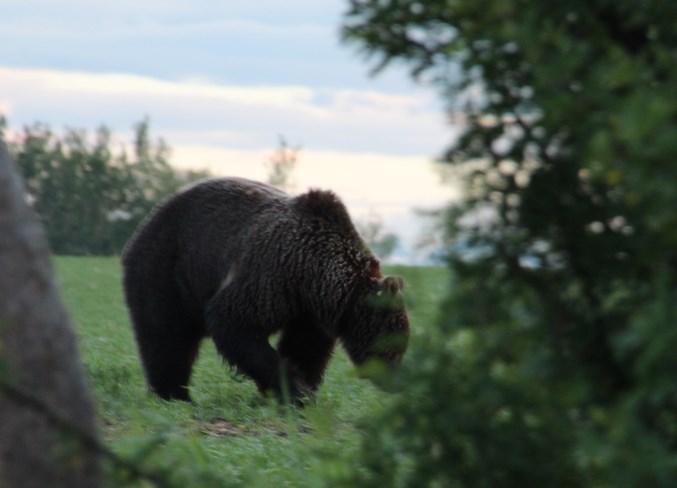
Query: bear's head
{"type": "Point", "coordinates": [372, 321]}
{"type": "Point", "coordinates": [376, 331]}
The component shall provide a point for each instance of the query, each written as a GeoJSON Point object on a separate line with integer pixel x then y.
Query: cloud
{"type": "Point", "coordinates": [134, 85]}
{"type": "Point", "coordinates": [5, 107]}
{"type": "Point", "coordinates": [266, 42]}
{"type": "Point", "coordinates": [251, 116]}
{"type": "Point", "coordinates": [367, 180]}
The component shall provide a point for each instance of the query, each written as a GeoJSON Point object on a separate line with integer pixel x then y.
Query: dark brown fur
{"type": "Point", "coordinates": [237, 261]}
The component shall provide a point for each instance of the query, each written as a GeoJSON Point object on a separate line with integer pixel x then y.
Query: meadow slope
{"type": "Point", "coordinates": [234, 435]}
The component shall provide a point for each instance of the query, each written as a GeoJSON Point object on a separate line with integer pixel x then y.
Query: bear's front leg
{"type": "Point", "coordinates": [246, 347]}
{"type": "Point", "coordinates": [307, 349]}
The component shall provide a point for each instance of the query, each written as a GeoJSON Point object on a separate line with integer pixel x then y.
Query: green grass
{"type": "Point", "coordinates": [234, 435]}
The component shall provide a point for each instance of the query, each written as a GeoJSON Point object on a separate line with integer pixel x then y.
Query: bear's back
{"type": "Point", "coordinates": [198, 236]}
{"type": "Point", "coordinates": [195, 235]}
{"type": "Point", "coordinates": [218, 205]}
{"type": "Point", "coordinates": [234, 198]}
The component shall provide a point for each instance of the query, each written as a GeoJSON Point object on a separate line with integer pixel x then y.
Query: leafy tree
{"type": "Point", "coordinates": [281, 164]}
{"type": "Point", "coordinates": [555, 363]}
{"type": "Point", "coordinates": [371, 230]}
{"type": "Point", "coordinates": [90, 198]}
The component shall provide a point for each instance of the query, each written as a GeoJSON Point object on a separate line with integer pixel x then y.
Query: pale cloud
{"type": "Point", "coordinates": [291, 42]}
{"type": "Point", "coordinates": [251, 116]}
{"type": "Point", "coordinates": [298, 98]}
{"type": "Point", "coordinates": [366, 180]}
{"type": "Point", "coordinates": [220, 161]}
{"type": "Point", "coordinates": [262, 8]}
{"type": "Point", "coordinates": [5, 107]}
{"type": "Point", "coordinates": [133, 85]}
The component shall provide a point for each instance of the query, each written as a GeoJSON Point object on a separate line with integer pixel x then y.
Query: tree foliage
{"type": "Point", "coordinates": [281, 164]}
{"type": "Point", "coordinates": [90, 197]}
{"type": "Point", "coordinates": [559, 332]}
{"type": "Point", "coordinates": [382, 243]}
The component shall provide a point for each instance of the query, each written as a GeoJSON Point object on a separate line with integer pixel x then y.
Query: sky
{"type": "Point", "coordinates": [221, 82]}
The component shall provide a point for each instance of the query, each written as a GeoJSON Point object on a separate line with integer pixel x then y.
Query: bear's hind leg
{"type": "Point", "coordinates": [167, 341]}
{"type": "Point", "coordinates": [168, 366]}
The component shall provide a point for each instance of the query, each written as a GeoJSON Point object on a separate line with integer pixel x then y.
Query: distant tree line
{"type": "Point", "coordinates": [382, 243]}
{"type": "Point", "coordinates": [90, 195]}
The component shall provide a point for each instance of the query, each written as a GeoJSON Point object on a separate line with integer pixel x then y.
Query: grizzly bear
{"type": "Point", "coordinates": [238, 261]}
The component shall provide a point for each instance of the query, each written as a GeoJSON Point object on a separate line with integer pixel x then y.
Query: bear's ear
{"type": "Point", "coordinates": [391, 284]}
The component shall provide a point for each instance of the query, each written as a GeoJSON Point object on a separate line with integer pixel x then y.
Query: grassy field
{"type": "Point", "coordinates": [233, 436]}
